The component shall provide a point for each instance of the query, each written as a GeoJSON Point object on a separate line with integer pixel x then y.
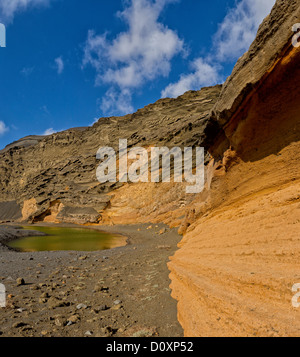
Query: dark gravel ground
{"type": "Point", "coordinates": [120, 292]}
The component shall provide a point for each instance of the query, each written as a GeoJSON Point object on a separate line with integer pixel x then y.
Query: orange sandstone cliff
{"type": "Point", "coordinates": [240, 255]}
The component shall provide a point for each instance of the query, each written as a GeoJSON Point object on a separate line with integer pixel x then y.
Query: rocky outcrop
{"type": "Point", "coordinates": [272, 43]}
{"type": "Point", "coordinates": [238, 261]}
{"type": "Point", "coordinates": [60, 170]}
{"type": "Point", "coordinates": [24, 142]}
{"type": "Point", "coordinates": [78, 215]}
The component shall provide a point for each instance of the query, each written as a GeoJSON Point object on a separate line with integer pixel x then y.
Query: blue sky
{"type": "Point", "coordinates": [68, 62]}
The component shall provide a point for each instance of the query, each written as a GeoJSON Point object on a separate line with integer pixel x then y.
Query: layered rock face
{"type": "Point", "coordinates": [53, 179]}
{"type": "Point", "coordinates": [239, 259]}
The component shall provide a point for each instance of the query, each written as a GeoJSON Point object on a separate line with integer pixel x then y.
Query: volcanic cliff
{"type": "Point", "coordinates": [54, 179]}
{"type": "Point", "coordinates": [237, 263]}
{"type": "Point", "coordinates": [239, 256]}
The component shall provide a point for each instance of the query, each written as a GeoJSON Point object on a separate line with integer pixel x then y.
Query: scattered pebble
{"type": "Point", "coordinates": [162, 231]}
{"type": "Point", "coordinates": [73, 319]}
{"type": "Point", "coordinates": [20, 281]}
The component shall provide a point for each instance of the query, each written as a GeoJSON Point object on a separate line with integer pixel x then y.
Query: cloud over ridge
{"type": "Point", "coordinates": [140, 54]}
{"type": "Point", "coordinates": [232, 39]}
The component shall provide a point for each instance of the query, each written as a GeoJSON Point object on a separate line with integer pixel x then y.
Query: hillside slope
{"type": "Point", "coordinates": [54, 179]}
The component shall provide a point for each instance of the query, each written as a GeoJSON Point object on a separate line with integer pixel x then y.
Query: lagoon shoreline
{"type": "Point", "coordinates": [120, 292]}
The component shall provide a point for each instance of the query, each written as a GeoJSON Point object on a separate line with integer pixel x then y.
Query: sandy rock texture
{"type": "Point", "coordinates": [234, 271]}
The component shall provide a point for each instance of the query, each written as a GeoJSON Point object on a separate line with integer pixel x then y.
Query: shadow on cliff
{"type": "Point", "coordinates": [269, 120]}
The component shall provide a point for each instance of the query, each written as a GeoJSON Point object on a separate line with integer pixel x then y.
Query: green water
{"type": "Point", "coordinates": [76, 239]}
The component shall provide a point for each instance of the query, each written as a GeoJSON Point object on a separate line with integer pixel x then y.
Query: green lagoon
{"type": "Point", "coordinates": [67, 239]}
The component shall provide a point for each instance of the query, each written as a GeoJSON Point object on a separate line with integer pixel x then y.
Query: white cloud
{"type": "Point", "coordinates": [49, 131]}
{"type": "Point", "coordinates": [204, 74]}
{"type": "Point", "coordinates": [233, 38]}
{"type": "Point", "coordinates": [8, 8]}
{"type": "Point", "coordinates": [117, 101]}
{"type": "Point", "coordinates": [59, 63]}
{"type": "Point", "coordinates": [3, 128]}
{"type": "Point", "coordinates": [239, 28]}
{"type": "Point", "coordinates": [94, 121]}
{"type": "Point", "coordinates": [142, 53]}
